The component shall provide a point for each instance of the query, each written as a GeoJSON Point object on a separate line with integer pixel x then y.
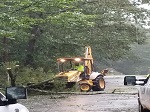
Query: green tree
{"type": "Point", "coordinates": [40, 28]}
{"type": "Point", "coordinates": [37, 32]}
{"type": "Point", "coordinates": [118, 24]}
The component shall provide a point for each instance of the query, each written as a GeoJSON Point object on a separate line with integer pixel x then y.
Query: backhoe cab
{"type": "Point", "coordinates": [68, 70]}
{"type": "Point", "coordinates": [86, 78]}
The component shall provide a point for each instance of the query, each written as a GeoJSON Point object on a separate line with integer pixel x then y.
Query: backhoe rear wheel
{"type": "Point", "coordinates": [85, 87]}
{"type": "Point", "coordinates": [99, 84]}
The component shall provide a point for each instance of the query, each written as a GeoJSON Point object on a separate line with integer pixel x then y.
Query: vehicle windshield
{"type": "Point", "coordinates": [68, 65]}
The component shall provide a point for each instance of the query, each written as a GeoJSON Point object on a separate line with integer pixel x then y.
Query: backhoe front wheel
{"type": "Point", "coordinates": [99, 84]}
{"type": "Point", "coordinates": [85, 87]}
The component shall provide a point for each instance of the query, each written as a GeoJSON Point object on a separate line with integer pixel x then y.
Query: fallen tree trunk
{"type": "Point", "coordinates": [44, 85]}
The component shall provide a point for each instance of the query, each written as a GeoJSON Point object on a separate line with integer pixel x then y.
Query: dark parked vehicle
{"type": "Point", "coordinates": [143, 92]}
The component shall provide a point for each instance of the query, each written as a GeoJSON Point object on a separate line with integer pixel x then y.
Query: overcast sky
{"type": "Point", "coordinates": [140, 5]}
{"type": "Point", "coordinates": [144, 6]}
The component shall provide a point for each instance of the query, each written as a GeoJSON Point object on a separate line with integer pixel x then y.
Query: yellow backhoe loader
{"type": "Point", "coordinates": [87, 79]}
{"type": "Point", "coordinates": [84, 75]}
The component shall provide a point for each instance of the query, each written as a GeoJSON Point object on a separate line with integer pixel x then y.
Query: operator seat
{"type": "Point", "coordinates": [84, 75]}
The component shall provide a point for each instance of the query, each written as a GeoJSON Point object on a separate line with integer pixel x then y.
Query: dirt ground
{"type": "Point", "coordinates": [115, 98]}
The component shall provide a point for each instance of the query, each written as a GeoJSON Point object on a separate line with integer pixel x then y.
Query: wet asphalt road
{"type": "Point", "coordinates": [115, 98]}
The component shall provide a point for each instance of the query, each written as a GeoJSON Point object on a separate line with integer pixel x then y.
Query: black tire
{"type": "Point", "coordinates": [133, 84]}
{"type": "Point", "coordinates": [99, 84]}
{"type": "Point", "coordinates": [125, 82]}
{"type": "Point", "coordinates": [85, 87]}
{"type": "Point", "coordinates": [70, 84]}
{"type": "Point", "coordinates": [141, 109]}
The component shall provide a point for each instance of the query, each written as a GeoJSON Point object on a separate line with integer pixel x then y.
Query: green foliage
{"type": "Point", "coordinates": [4, 77]}
{"type": "Point", "coordinates": [114, 33]}
{"type": "Point", "coordinates": [30, 75]}
{"type": "Point", "coordinates": [40, 31]}
{"type": "Point", "coordinates": [59, 85]}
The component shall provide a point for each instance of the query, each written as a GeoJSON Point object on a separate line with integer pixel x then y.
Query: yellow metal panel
{"type": "Point", "coordinates": [86, 81]}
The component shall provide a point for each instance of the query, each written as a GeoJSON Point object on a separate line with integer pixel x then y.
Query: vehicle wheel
{"type": "Point", "coordinates": [141, 108]}
{"type": "Point", "coordinates": [133, 83]}
{"type": "Point", "coordinates": [70, 84]}
{"type": "Point", "coordinates": [125, 82]}
{"type": "Point", "coordinates": [99, 84]}
{"type": "Point", "coordinates": [85, 87]}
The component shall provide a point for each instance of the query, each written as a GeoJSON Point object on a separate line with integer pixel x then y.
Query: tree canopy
{"type": "Point", "coordinates": [37, 32]}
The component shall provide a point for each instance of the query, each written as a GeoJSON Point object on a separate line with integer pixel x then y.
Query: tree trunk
{"type": "Point", "coordinates": [5, 52]}
{"type": "Point", "coordinates": [35, 34]}
{"type": "Point", "coordinates": [12, 78]}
